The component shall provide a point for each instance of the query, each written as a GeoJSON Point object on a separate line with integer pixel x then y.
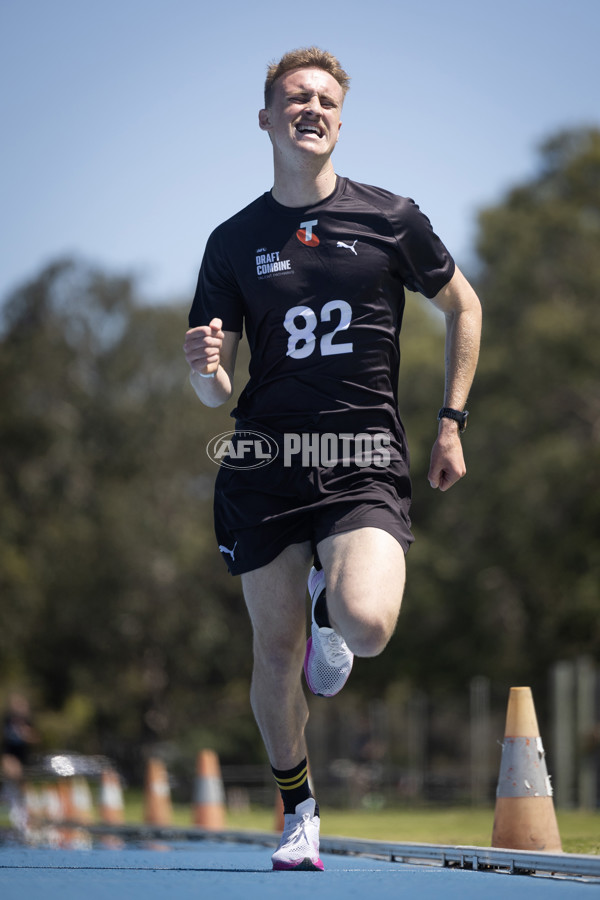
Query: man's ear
{"type": "Point", "coordinates": [264, 121]}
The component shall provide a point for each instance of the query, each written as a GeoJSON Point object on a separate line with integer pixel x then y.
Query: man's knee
{"type": "Point", "coordinates": [365, 572]}
{"type": "Point", "coordinates": [280, 655]}
{"type": "Point", "coordinates": [368, 636]}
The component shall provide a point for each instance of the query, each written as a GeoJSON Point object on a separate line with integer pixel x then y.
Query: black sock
{"type": "Point", "coordinates": [294, 786]}
{"type": "Point", "coordinates": [320, 612]}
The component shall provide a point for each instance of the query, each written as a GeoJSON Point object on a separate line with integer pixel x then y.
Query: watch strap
{"type": "Point", "coordinates": [460, 416]}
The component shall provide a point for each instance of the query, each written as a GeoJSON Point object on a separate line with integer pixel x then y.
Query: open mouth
{"type": "Point", "coordinates": [309, 129]}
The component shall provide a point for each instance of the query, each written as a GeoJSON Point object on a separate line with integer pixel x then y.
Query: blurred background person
{"type": "Point", "coordinates": [18, 738]}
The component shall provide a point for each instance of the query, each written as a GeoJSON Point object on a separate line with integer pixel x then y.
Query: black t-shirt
{"type": "Point", "coordinates": [320, 291]}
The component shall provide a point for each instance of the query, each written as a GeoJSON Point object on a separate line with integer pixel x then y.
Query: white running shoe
{"type": "Point", "coordinates": [328, 661]}
{"type": "Point", "coordinates": [299, 845]}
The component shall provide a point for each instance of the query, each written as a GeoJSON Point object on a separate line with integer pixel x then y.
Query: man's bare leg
{"type": "Point", "coordinates": [275, 596]}
{"type": "Point", "coordinates": [365, 574]}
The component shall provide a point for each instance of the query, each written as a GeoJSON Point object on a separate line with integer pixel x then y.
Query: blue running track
{"type": "Point", "coordinates": [213, 870]}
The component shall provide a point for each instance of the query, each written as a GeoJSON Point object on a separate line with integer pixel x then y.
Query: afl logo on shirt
{"type": "Point", "coordinates": [306, 235]}
{"type": "Point", "coordinates": [242, 449]}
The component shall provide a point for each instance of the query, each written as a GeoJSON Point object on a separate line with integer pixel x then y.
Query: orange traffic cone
{"type": "Point", "coordinates": [112, 808]}
{"type": "Point", "coordinates": [65, 811]}
{"type": "Point", "coordinates": [157, 800]}
{"type": "Point", "coordinates": [209, 796]}
{"type": "Point", "coordinates": [76, 803]}
{"type": "Point", "coordinates": [52, 804]}
{"type": "Point", "coordinates": [278, 820]}
{"type": "Point", "coordinates": [524, 817]}
{"type": "Point", "coordinates": [82, 806]}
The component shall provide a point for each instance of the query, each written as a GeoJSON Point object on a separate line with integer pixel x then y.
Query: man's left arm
{"type": "Point", "coordinates": [462, 309]}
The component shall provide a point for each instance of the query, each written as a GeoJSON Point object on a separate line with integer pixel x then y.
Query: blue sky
{"type": "Point", "coordinates": [129, 127]}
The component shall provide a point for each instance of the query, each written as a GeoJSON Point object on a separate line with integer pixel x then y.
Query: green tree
{"type": "Point", "coordinates": [114, 602]}
{"type": "Point", "coordinates": [539, 385]}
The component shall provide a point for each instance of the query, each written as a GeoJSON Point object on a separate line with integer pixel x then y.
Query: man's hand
{"type": "Point", "coordinates": [447, 464]}
{"type": "Point", "coordinates": [202, 347]}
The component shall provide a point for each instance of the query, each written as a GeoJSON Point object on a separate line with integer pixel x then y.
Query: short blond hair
{"type": "Point", "coordinates": [305, 58]}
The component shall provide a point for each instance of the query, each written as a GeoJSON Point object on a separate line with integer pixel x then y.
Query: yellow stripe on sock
{"type": "Point", "coordinates": [289, 784]}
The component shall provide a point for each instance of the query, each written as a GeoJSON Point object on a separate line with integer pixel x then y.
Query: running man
{"type": "Point", "coordinates": [315, 270]}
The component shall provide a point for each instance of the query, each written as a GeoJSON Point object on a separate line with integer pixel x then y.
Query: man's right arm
{"type": "Point", "coordinates": [211, 354]}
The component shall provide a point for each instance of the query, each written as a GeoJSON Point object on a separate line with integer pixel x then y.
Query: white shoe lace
{"type": "Point", "coordinates": [335, 649]}
{"type": "Point", "coordinates": [298, 833]}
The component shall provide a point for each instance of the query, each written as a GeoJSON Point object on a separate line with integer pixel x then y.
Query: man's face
{"type": "Point", "coordinates": [304, 115]}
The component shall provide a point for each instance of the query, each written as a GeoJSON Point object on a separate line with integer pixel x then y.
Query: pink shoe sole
{"type": "Point", "coordinates": [305, 865]}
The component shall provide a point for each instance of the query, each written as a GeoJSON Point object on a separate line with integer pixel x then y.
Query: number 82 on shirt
{"type": "Point", "coordinates": [302, 341]}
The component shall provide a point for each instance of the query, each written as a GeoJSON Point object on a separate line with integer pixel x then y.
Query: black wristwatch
{"type": "Point", "coordinates": [461, 417]}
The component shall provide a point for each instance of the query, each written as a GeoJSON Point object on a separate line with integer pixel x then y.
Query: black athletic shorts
{"type": "Point", "coordinates": [267, 499]}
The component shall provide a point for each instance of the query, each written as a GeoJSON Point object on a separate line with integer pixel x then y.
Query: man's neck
{"type": "Point", "coordinates": [304, 188]}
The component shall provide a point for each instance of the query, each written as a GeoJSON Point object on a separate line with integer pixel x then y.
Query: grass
{"type": "Point", "coordinates": [470, 826]}
{"type": "Point", "coordinates": [580, 831]}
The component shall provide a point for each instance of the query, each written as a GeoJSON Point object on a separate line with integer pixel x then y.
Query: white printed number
{"type": "Point", "coordinates": [302, 341]}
